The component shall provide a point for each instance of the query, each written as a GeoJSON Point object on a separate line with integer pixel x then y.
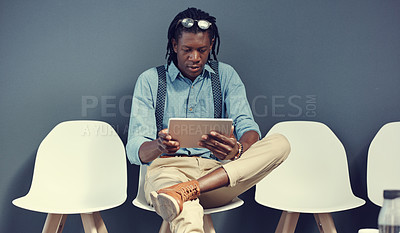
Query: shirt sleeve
{"type": "Point", "coordinates": [237, 106]}
{"type": "Point", "coordinates": [142, 123]}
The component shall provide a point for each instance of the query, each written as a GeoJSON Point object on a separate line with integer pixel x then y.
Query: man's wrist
{"type": "Point", "coordinates": [240, 151]}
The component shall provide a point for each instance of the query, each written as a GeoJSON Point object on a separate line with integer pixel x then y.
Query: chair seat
{"type": "Point", "coordinates": [309, 205]}
{"type": "Point", "coordinates": [236, 202]}
{"type": "Point", "coordinates": [67, 205]}
{"type": "Point", "coordinates": [293, 193]}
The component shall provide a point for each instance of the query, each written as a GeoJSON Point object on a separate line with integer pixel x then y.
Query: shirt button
{"type": "Point", "coordinates": [190, 109]}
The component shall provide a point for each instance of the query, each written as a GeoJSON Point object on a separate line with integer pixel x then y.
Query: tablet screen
{"type": "Point", "coordinates": [188, 131]}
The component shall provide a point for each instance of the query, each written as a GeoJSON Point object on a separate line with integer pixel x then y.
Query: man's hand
{"type": "Point", "coordinates": [223, 147]}
{"type": "Point", "coordinates": [165, 142]}
{"type": "Point", "coordinates": [150, 150]}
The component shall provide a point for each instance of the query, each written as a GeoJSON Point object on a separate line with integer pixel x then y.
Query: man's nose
{"type": "Point", "coordinates": [194, 56]}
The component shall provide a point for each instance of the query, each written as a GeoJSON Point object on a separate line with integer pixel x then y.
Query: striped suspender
{"type": "Point", "coordinates": [216, 89]}
{"type": "Point", "coordinates": [162, 91]}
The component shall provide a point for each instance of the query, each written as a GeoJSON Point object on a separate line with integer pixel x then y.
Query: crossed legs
{"type": "Point", "coordinates": [173, 184]}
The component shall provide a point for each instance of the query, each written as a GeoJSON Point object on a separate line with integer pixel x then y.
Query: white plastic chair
{"type": "Point", "coordinates": [314, 179]}
{"type": "Point", "coordinates": [80, 168]}
{"type": "Point", "coordinates": [140, 202]}
{"type": "Point", "coordinates": [383, 162]}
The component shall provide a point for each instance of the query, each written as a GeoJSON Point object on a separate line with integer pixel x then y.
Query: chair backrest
{"type": "Point", "coordinates": [383, 162]}
{"type": "Point", "coordinates": [314, 178]}
{"type": "Point", "coordinates": [80, 167]}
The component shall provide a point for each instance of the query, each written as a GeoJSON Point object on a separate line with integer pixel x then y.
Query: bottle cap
{"type": "Point", "coordinates": [391, 194]}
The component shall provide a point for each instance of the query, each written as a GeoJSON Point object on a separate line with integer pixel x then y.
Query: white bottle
{"type": "Point", "coordinates": [389, 215]}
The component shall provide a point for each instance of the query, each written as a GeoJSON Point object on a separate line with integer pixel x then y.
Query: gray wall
{"type": "Point", "coordinates": [331, 61]}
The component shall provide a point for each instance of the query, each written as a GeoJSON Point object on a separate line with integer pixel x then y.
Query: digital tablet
{"type": "Point", "coordinates": [188, 131]}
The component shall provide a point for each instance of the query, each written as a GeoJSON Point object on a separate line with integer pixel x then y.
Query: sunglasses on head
{"type": "Point", "coordinates": [189, 22]}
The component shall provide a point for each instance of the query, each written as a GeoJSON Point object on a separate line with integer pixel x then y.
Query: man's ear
{"type": "Point", "coordinates": [174, 45]}
{"type": "Point", "coordinates": [212, 43]}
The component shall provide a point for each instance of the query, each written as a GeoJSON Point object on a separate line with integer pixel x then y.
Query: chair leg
{"type": "Point", "coordinates": [98, 221]}
{"type": "Point", "coordinates": [88, 223]}
{"type": "Point", "coordinates": [93, 223]}
{"type": "Point", "coordinates": [287, 222]}
{"type": "Point", "coordinates": [208, 224]}
{"type": "Point", "coordinates": [325, 223]}
{"type": "Point", "coordinates": [164, 227]}
{"type": "Point", "coordinates": [54, 223]}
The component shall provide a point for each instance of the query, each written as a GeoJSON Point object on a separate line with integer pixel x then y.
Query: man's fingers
{"type": "Point", "coordinates": [216, 147]}
{"type": "Point", "coordinates": [220, 154]}
{"type": "Point", "coordinates": [171, 144]}
{"type": "Point", "coordinates": [164, 134]}
{"type": "Point", "coordinates": [216, 138]}
{"type": "Point", "coordinates": [165, 142]}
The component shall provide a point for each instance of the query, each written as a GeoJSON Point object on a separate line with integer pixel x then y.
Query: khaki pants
{"type": "Point", "coordinates": [257, 162]}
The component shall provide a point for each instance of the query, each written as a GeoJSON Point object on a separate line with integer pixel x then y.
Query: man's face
{"type": "Point", "coordinates": [192, 50]}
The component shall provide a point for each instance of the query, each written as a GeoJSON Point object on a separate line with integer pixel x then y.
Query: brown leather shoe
{"type": "Point", "coordinates": [168, 202]}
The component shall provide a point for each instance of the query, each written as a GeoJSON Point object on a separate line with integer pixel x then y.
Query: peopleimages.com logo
{"type": "Point", "coordinates": [261, 106]}
{"type": "Point", "coordinates": [284, 106]}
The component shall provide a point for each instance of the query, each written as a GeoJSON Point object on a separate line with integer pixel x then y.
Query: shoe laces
{"type": "Point", "coordinates": [189, 192]}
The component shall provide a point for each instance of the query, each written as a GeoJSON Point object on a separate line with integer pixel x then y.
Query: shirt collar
{"type": "Point", "coordinates": [173, 71]}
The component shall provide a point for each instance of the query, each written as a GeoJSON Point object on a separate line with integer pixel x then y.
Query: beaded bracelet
{"type": "Point", "coordinates": [240, 151]}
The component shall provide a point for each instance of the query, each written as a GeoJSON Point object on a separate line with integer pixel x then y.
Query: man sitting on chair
{"type": "Point", "coordinates": [180, 182]}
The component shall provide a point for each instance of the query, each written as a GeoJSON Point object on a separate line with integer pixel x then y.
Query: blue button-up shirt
{"type": "Point", "coordinates": [186, 99]}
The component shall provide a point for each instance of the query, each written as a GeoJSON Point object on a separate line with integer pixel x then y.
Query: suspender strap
{"type": "Point", "coordinates": [162, 91]}
{"type": "Point", "coordinates": [216, 89]}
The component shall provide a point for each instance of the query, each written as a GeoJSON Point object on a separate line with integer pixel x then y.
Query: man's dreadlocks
{"type": "Point", "coordinates": [175, 31]}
